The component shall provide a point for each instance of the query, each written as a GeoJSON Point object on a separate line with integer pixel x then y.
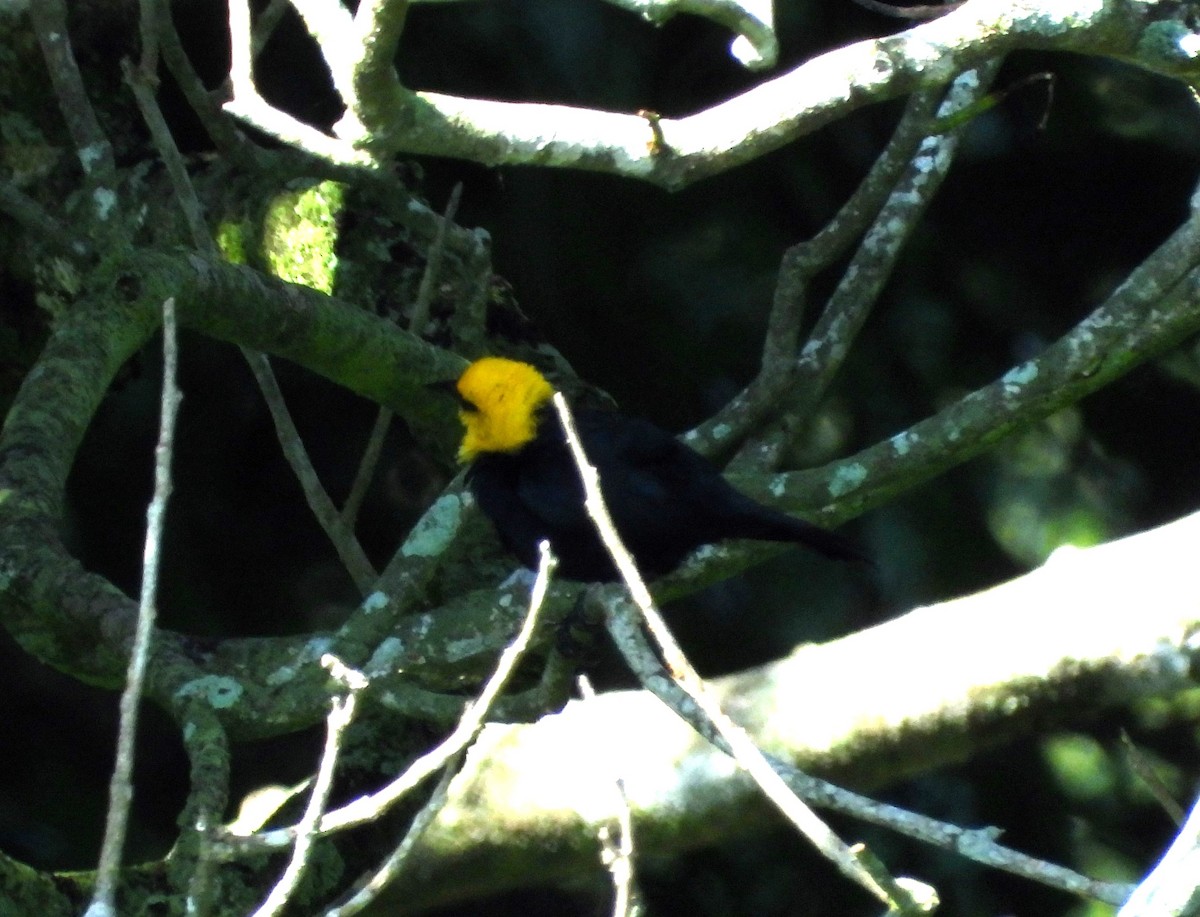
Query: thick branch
{"type": "Point", "coordinates": [675, 152]}
{"type": "Point", "coordinates": [77, 621]}
{"type": "Point", "coordinates": [1156, 308]}
{"type": "Point", "coordinates": [80, 623]}
{"type": "Point", "coordinates": [1114, 623]}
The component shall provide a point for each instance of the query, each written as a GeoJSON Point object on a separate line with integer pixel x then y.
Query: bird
{"type": "Point", "coordinates": [665, 499]}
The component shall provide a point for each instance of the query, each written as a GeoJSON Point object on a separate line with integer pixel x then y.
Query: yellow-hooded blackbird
{"type": "Point", "coordinates": [665, 499]}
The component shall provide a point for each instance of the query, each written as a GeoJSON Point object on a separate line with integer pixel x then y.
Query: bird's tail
{"type": "Point", "coordinates": [767, 524]}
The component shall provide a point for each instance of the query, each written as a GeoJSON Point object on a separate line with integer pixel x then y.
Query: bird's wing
{"type": "Point", "coordinates": [549, 488]}
{"type": "Point", "coordinates": [652, 483]}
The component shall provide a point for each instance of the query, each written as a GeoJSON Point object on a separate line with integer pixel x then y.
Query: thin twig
{"type": "Point", "coordinates": [433, 264]}
{"type": "Point", "coordinates": [549, 694]}
{"type": "Point", "coordinates": [369, 807]}
{"type": "Point", "coordinates": [366, 467]}
{"type": "Point", "coordinates": [49, 18]}
{"type": "Point", "coordinates": [468, 322]}
{"type": "Point", "coordinates": [181, 183]}
{"type": "Point", "coordinates": [371, 886]}
{"type": "Point", "coordinates": [148, 33]}
{"type": "Point", "coordinates": [977, 844]}
{"type": "Point", "coordinates": [121, 786]}
{"type": "Point", "coordinates": [416, 324]}
{"type": "Point", "coordinates": [743, 749]}
{"type": "Point", "coordinates": [25, 210]}
{"type": "Point", "coordinates": [220, 128]}
{"type": "Point", "coordinates": [1171, 889]}
{"type": "Point", "coordinates": [798, 266]}
{"type": "Point", "coordinates": [1142, 768]}
{"type": "Point", "coordinates": [341, 714]}
{"type": "Point", "coordinates": [348, 549]}
{"type": "Point", "coordinates": [208, 752]}
{"type": "Point", "coordinates": [851, 302]}
{"type": "Point", "coordinates": [268, 21]}
{"type": "Point", "coordinates": [617, 852]}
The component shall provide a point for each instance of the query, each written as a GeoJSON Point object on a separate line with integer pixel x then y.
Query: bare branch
{"type": "Point", "coordinates": [222, 131]}
{"type": "Point", "coordinates": [756, 46]}
{"type": "Point", "coordinates": [185, 194]}
{"type": "Point", "coordinates": [765, 117]}
{"type": "Point", "coordinates": [1151, 311]}
{"type": "Point", "coordinates": [357, 564]}
{"type": "Point", "coordinates": [616, 846]}
{"type": "Point", "coordinates": [1171, 889]}
{"type": "Point", "coordinates": [103, 902]}
{"type": "Point", "coordinates": [25, 210]}
{"type": "Point", "coordinates": [208, 792]}
{"type": "Point", "coordinates": [433, 264]}
{"type": "Point", "coordinates": [95, 153]}
{"type": "Point", "coordinates": [332, 27]}
{"type": "Point", "coordinates": [1115, 623]}
{"type": "Point", "coordinates": [369, 807]}
{"type": "Point", "coordinates": [268, 21]}
{"type": "Point", "coordinates": [378, 25]}
{"type": "Point", "coordinates": [372, 886]}
{"type": "Point", "coordinates": [851, 302]}
{"type": "Point", "coordinates": [340, 716]}
{"type": "Point", "coordinates": [733, 738]}
{"type": "Point", "coordinates": [248, 105]}
{"type": "Point", "coordinates": [416, 324]}
{"type": "Point", "coordinates": [800, 263]}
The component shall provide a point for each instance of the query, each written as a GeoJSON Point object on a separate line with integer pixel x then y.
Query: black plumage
{"type": "Point", "coordinates": [665, 499]}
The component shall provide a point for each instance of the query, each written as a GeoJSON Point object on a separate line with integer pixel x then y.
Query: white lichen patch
{"type": "Point", "coordinates": [902, 443]}
{"type": "Point", "coordinates": [1019, 376]}
{"type": "Point", "coordinates": [317, 647]}
{"type": "Point", "coordinates": [376, 601]}
{"type": "Point", "coordinates": [219, 691]}
{"type": "Point", "coordinates": [91, 155]}
{"type": "Point", "coordinates": [313, 650]}
{"type": "Point", "coordinates": [435, 529]}
{"type": "Point", "coordinates": [105, 200]}
{"type": "Point", "coordinates": [383, 660]}
{"type": "Point", "coordinates": [847, 478]}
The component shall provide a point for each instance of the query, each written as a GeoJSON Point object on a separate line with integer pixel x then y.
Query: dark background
{"type": "Point", "coordinates": [661, 299]}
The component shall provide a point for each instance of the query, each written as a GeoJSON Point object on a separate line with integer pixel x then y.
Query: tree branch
{"type": "Point", "coordinates": [121, 785]}
{"type": "Point", "coordinates": [800, 264]}
{"type": "Point", "coordinates": [91, 144]}
{"type": "Point", "coordinates": [676, 152]}
{"type": "Point", "coordinates": [968, 678]}
{"type": "Point", "coordinates": [1171, 889]}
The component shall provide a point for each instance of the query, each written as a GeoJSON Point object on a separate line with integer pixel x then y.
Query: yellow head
{"type": "Point", "coordinates": [500, 405]}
